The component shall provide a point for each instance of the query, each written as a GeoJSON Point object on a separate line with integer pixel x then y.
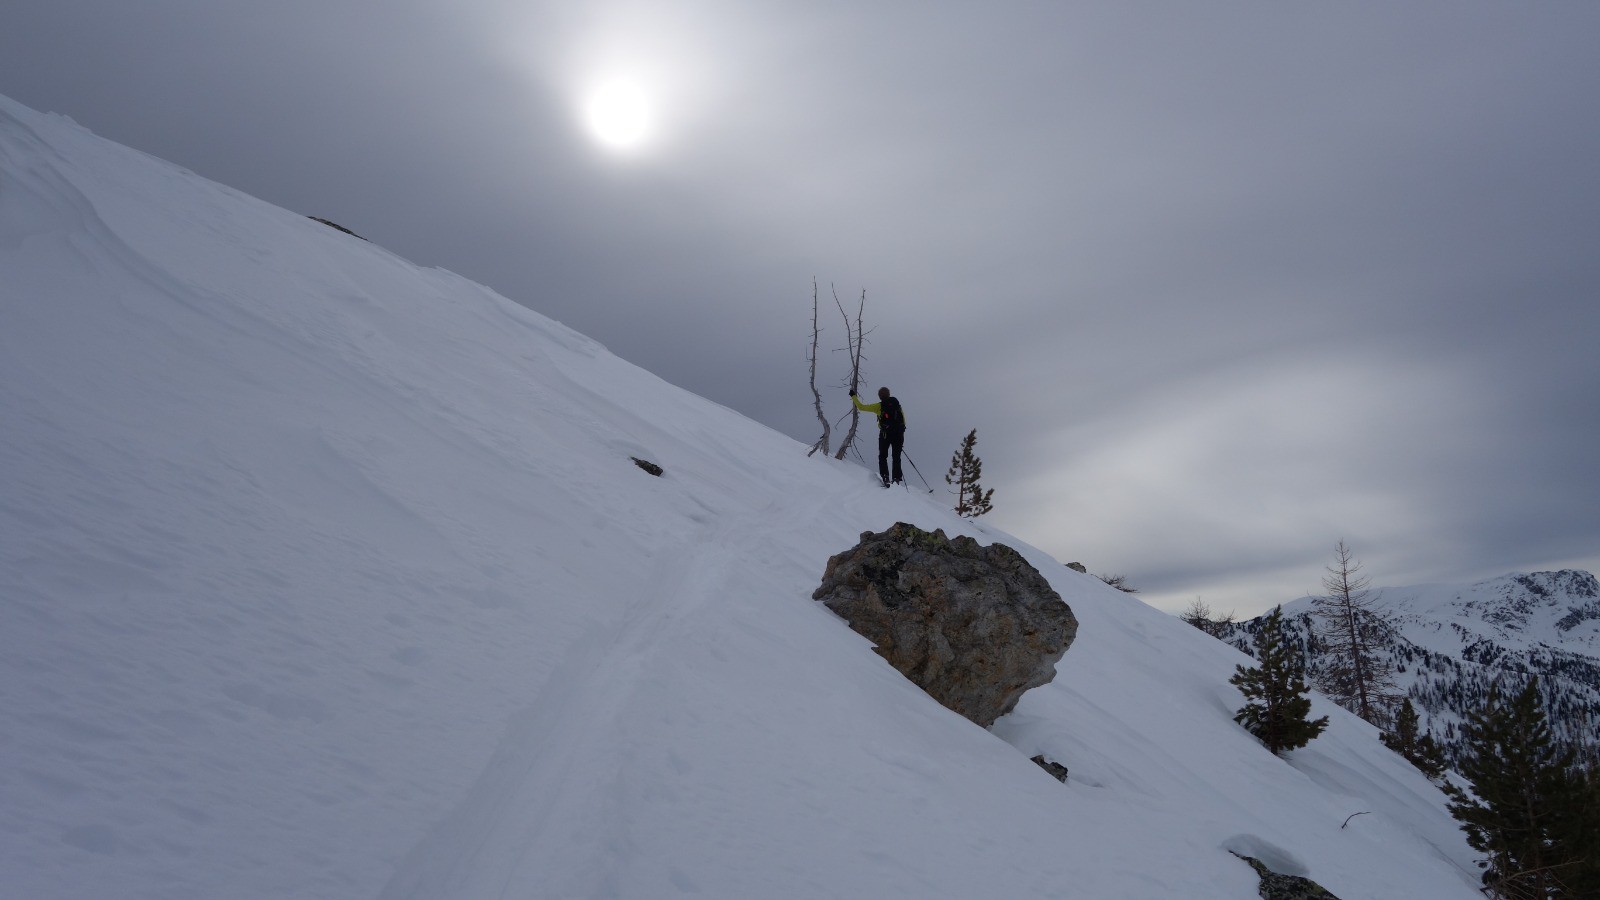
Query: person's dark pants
{"type": "Point", "coordinates": [887, 442]}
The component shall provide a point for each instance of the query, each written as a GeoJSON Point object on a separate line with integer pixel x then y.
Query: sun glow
{"type": "Point", "coordinates": [619, 115]}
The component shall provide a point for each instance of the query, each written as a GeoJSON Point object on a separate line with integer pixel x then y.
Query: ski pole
{"type": "Point", "coordinates": [917, 470]}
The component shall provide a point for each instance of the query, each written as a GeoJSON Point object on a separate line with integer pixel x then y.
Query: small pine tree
{"type": "Point", "coordinates": [1521, 785]}
{"type": "Point", "coordinates": [1417, 746]}
{"type": "Point", "coordinates": [1277, 708]}
{"type": "Point", "coordinates": [965, 470]}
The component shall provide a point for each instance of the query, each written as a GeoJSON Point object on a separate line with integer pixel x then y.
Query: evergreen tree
{"type": "Point", "coordinates": [965, 470]}
{"type": "Point", "coordinates": [1577, 834]}
{"type": "Point", "coordinates": [1417, 746]}
{"type": "Point", "coordinates": [1518, 811]}
{"type": "Point", "coordinates": [1277, 708]}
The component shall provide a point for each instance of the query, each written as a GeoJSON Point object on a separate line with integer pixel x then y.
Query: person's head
{"type": "Point", "coordinates": [883, 393]}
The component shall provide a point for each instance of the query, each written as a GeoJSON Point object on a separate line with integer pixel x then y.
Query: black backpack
{"type": "Point", "coordinates": [890, 418]}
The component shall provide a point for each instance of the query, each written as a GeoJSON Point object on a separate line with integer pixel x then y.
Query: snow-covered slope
{"type": "Point", "coordinates": [324, 575]}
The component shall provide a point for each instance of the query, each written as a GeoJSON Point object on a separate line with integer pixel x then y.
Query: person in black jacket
{"type": "Point", "coordinates": [891, 432]}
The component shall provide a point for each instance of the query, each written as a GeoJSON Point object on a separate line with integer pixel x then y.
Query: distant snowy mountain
{"type": "Point", "coordinates": [1518, 613]}
{"type": "Point", "coordinates": [327, 576]}
{"type": "Point", "coordinates": [1451, 642]}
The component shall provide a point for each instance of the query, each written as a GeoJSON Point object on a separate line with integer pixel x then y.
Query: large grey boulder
{"type": "Point", "coordinates": [974, 626]}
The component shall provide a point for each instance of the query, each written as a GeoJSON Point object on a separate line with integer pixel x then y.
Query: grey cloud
{"type": "Point", "coordinates": [1218, 285]}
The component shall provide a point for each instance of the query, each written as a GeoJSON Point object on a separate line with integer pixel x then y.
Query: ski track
{"type": "Point", "coordinates": [528, 795]}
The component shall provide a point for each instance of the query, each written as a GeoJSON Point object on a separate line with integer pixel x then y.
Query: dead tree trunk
{"type": "Point", "coordinates": [822, 442]}
{"type": "Point", "coordinates": [855, 338]}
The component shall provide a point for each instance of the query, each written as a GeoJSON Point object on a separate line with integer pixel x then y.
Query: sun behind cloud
{"type": "Point", "coordinates": [619, 114]}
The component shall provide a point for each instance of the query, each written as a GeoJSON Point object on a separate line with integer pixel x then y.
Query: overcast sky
{"type": "Point", "coordinates": [1218, 284]}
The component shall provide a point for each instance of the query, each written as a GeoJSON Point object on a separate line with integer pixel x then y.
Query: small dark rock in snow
{"type": "Point", "coordinates": [1056, 770]}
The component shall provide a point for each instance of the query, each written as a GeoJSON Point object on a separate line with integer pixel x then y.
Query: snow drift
{"type": "Point", "coordinates": [325, 575]}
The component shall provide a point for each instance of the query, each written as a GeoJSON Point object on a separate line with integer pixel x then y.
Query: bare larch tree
{"type": "Point", "coordinates": [1199, 614]}
{"type": "Point", "coordinates": [1352, 629]}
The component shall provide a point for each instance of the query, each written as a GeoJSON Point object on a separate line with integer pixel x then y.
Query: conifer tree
{"type": "Point", "coordinates": [1417, 746]}
{"type": "Point", "coordinates": [1520, 798]}
{"type": "Point", "coordinates": [1352, 628]}
{"type": "Point", "coordinates": [965, 470]}
{"type": "Point", "coordinates": [1277, 706]}
{"type": "Point", "coordinates": [1577, 834]}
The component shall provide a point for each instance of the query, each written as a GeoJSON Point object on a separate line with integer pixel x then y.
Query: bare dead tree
{"type": "Point", "coordinates": [816, 396]}
{"type": "Point", "coordinates": [1199, 614]}
{"type": "Point", "coordinates": [855, 339]}
{"type": "Point", "coordinates": [1349, 622]}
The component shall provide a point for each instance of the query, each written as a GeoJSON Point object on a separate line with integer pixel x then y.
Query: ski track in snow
{"type": "Point", "coordinates": [608, 676]}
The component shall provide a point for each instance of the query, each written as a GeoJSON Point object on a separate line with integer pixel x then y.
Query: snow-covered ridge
{"type": "Point", "coordinates": [1554, 608]}
{"type": "Point", "coordinates": [1451, 642]}
{"type": "Point", "coordinates": [1521, 611]}
{"type": "Point", "coordinates": [325, 575]}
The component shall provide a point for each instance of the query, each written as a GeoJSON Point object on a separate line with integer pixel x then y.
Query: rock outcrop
{"type": "Point", "coordinates": [1275, 886]}
{"type": "Point", "coordinates": [974, 626]}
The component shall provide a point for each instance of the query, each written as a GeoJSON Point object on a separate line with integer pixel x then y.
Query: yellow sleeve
{"type": "Point", "coordinates": [873, 408]}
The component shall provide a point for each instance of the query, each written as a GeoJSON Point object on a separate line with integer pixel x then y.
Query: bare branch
{"type": "Point", "coordinates": [1120, 582]}
{"type": "Point", "coordinates": [1353, 815]}
{"type": "Point", "coordinates": [855, 338]}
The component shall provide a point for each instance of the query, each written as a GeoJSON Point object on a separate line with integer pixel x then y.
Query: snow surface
{"type": "Point", "coordinates": [325, 575]}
